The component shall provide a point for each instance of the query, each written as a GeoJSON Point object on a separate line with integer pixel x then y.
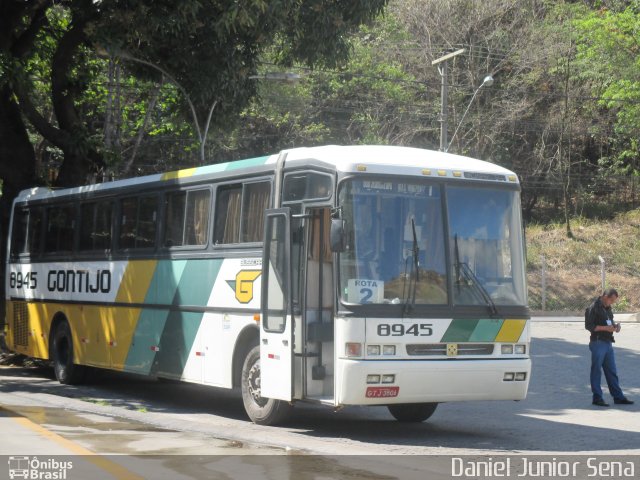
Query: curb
{"type": "Point", "coordinates": [555, 317]}
{"type": "Point", "coordinates": [628, 317]}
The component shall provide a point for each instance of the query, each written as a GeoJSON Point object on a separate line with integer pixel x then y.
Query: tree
{"type": "Point", "coordinates": [207, 48]}
{"type": "Point", "coordinates": [609, 51]}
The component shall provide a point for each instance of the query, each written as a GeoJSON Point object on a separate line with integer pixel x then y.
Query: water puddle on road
{"type": "Point", "coordinates": [147, 451]}
{"type": "Point", "coordinates": [106, 434]}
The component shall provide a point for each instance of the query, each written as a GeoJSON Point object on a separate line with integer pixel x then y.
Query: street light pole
{"type": "Point", "coordinates": [444, 95]}
{"type": "Point", "coordinates": [488, 81]}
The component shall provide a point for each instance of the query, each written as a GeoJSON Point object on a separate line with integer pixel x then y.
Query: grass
{"type": "Point", "coordinates": [572, 265]}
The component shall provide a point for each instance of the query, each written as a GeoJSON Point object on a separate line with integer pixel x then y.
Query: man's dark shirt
{"type": "Point", "coordinates": [598, 315]}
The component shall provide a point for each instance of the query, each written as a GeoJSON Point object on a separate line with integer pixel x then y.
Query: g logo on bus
{"type": "Point", "coordinates": [452, 349]}
{"type": "Point", "coordinates": [243, 284]}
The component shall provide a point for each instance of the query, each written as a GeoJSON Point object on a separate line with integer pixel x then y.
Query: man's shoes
{"type": "Point", "coordinates": [622, 401]}
{"type": "Point", "coordinates": [601, 403]}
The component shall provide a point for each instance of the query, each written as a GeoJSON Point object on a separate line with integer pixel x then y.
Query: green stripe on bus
{"type": "Point", "coordinates": [486, 330]}
{"type": "Point", "coordinates": [459, 330]}
{"type": "Point", "coordinates": [151, 323]}
{"type": "Point", "coordinates": [181, 328]}
{"type": "Point", "coordinates": [249, 162]}
{"type": "Point", "coordinates": [165, 281]}
{"type": "Point", "coordinates": [196, 282]}
{"type": "Point", "coordinates": [177, 340]}
{"type": "Point", "coordinates": [162, 340]}
{"type": "Point", "coordinates": [146, 341]}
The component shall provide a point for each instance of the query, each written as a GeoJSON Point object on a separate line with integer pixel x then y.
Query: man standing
{"type": "Point", "coordinates": [599, 321]}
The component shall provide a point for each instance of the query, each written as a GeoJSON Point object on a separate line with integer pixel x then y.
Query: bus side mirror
{"type": "Point", "coordinates": [336, 235]}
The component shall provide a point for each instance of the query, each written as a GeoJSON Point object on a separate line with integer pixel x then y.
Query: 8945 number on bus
{"type": "Point", "coordinates": [400, 329]}
{"type": "Point", "coordinates": [23, 280]}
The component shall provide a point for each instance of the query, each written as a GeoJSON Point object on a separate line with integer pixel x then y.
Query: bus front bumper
{"type": "Point", "coordinates": [426, 381]}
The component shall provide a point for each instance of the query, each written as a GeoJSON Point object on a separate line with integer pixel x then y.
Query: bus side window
{"type": "Point", "coordinates": [95, 226]}
{"type": "Point", "coordinates": [174, 219]}
{"type": "Point", "coordinates": [147, 222]}
{"type": "Point", "coordinates": [227, 225]}
{"type": "Point", "coordinates": [102, 232]}
{"type": "Point", "coordinates": [300, 186]}
{"type": "Point", "coordinates": [59, 229]}
{"type": "Point", "coordinates": [34, 233]}
{"type": "Point", "coordinates": [187, 218]}
{"type": "Point", "coordinates": [254, 203]}
{"type": "Point", "coordinates": [240, 212]}
{"type": "Point", "coordinates": [197, 217]}
{"type": "Point", "coordinates": [19, 233]}
{"type": "Point", "coordinates": [26, 232]}
{"type": "Point", "coordinates": [138, 222]}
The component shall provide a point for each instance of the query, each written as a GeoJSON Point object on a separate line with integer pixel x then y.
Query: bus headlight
{"type": "Point", "coordinates": [506, 349]}
{"type": "Point", "coordinates": [388, 350]}
{"type": "Point", "coordinates": [520, 349]}
{"type": "Point", "coordinates": [373, 349]}
{"type": "Point", "coordinates": [373, 378]}
{"type": "Point", "coordinates": [521, 376]}
{"type": "Point", "coordinates": [388, 378]}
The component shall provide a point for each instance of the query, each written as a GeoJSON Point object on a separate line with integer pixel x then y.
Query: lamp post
{"type": "Point", "coordinates": [488, 81]}
{"type": "Point", "coordinates": [444, 95]}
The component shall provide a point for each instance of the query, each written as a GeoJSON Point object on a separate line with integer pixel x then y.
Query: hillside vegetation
{"type": "Point", "coordinates": [573, 267]}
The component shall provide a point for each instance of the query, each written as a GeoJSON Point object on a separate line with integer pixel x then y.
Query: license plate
{"type": "Point", "coordinates": [382, 392]}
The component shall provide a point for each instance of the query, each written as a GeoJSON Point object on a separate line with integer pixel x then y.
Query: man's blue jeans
{"type": "Point", "coordinates": [602, 358]}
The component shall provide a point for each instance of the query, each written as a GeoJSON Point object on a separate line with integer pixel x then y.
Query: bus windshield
{"type": "Point", "coordinates": [396, 246]}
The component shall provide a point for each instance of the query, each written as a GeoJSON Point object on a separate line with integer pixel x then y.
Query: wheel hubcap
{"type": "Point", "coordinates": [253, 385]}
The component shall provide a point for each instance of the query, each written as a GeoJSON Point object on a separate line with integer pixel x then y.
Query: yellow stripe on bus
{"type": "Point", "coordinates": [511, 331]}
{"type": "Point", "coordinates": [136, 280]}
{"type": "Point", "coordinates": [39, 325]}
{"type": "Point", "coordinates": [187, 172]}
{"type": "Point", "coordinates": [126, 320]}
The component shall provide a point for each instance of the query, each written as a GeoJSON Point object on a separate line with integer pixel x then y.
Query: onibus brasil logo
{"type": "Point", "coordinates": [36, 469]}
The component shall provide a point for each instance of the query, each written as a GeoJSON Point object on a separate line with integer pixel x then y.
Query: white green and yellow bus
{"type": "Point", "coordinates": [341, 275]}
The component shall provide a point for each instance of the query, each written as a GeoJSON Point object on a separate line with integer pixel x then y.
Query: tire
{"type": "Point", "coordinates": [412, 412]}
{"type": "Point", "coordinates": [262, 411]}
{"type": "Point", "coordinates": [67, 372]}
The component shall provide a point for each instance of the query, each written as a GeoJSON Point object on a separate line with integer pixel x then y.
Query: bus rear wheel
{"type": "Point", "coordinates": [412, 412]}
{"type": "Point", "coordinates": [262, 411]}
{"type": "Point", "coordinates": [66, 371]}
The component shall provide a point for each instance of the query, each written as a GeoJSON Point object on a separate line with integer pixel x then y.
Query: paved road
{"type": "Point", "coordinates": [124, 414]}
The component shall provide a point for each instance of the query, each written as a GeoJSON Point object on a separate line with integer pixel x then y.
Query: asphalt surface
{"type": "Point", "coordinates": [120, 414]}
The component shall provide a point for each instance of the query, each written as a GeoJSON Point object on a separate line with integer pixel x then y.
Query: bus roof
{"type": "Point", "coordinates": [392, 160]}
{"type": "Point", "coordinates": [374, 159]}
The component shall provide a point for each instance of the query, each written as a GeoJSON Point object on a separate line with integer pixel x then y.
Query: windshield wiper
{"type": "Point", "coordinates": [472, 280]}
{"type": "Point", "coordinates": [415, 272]}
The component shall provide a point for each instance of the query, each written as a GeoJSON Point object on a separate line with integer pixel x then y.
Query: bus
{"type": "Point", "coordinates": [339, 275]}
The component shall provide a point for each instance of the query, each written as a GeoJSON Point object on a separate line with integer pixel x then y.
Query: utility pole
{"type": "Point", "coordinates": [444, 95]}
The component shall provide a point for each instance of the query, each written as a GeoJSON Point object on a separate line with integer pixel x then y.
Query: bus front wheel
{"type": "Point", "coordinates": [66, 371]}
{"type": "Point", "coordinates": [263, 411]}
{"type": "Point", "coordinates": [412, 412]}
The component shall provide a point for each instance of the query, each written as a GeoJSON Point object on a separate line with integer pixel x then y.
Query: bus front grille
{"type": "Point", "coordinates": [440, 349]}
{"type": "Point", "coordinates": [20, 324]}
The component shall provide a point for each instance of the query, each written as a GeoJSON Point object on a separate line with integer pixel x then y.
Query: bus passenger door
{"type": "Point", "coordinates": [319, 298]}
{"type": "Point", "coordinates": [276, 333]}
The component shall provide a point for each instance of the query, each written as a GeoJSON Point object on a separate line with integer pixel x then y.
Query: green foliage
{"type": "Point", "coordinates": [95, 79]}
{"type": "Point", "coordinates": [371, 99]}
{"type": "Point", "coordinates": [610, 54]}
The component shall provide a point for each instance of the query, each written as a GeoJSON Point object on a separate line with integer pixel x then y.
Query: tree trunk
{"type": "Point", "coordinates": [17, 171]}
{"type": "Point", "coordinates": [80, 157]}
